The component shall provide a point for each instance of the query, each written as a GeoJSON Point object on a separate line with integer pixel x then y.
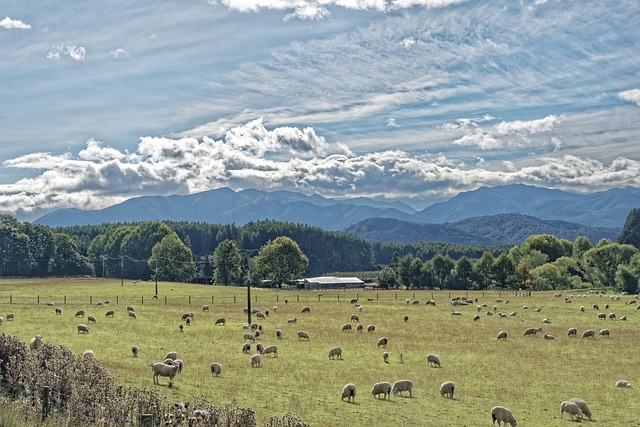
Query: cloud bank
{"type": "Point", "coordinates": [632, 95]}
{"type": "Point", "coordinates": [14, 24]}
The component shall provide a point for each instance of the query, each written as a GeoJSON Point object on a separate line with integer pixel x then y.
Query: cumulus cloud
{"type": "Point", "coordinates": [119, 53]}
{"type": "Point", "coordinates": [632, 95]}
{"type": "Point", "coordinates": [14, 24]}
{"type": "Point", "coordinates": [67, 49]}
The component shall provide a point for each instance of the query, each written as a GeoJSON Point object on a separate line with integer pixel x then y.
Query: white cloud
{"type": "Point", "coordinates": [391, 122]}
{"type": "Point", "coordinates": [119, 53]}
{"type": "Point", "coordinates": [77, 53]}
{"type": "Point", "coordinates": [14, 24]}
{"type": "Point", "coordinates": [632, 95]}
{"type": "Point", "coordinates": [529, 127]}
{"type": "Point", "coordinates": [308, 11]}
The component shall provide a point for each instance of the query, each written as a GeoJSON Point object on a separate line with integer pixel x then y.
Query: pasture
{"type": "Point", "coordinates": [529, 375]}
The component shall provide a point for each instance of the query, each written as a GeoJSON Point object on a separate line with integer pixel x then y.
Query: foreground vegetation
{"type": "Point", "coordinates": [529, 375]}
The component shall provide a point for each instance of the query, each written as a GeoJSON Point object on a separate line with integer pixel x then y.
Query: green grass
{"type": "Point", "coordinates": [531, 376]}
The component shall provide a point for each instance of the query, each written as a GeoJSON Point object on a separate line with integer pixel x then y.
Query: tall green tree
{"type": "Point", "coordinates": [601, 263]}
{"type": "Point", "coordinates": [504, 272]}
{"type": "Point", "coordinates": [41, 248]}
{"type": "Point", "coordinates": [626, 280]}
{"type": "Point", "coordinates": [442, 267]}
{"type": "Point", "coordinates": [67, 259]}
{"type": "Point", "coordinates": [463, 276]}
{"type": "Point", "coordinates": [387, 278]}
{"type": "Point", "coordinates": [549, 245]}
{"type": "Point", "coordinates": [14, 248]}
{"type": "Point", "coordinates": [227, 263]}
{"type": "Point", "coordinates": [484, 270]}
{"type": "Point", "coordinates": [630, 233]}
{"type": "Point", "coordinates": [281, 261]}
{"type": "Point", "coordinates": [172, 260]}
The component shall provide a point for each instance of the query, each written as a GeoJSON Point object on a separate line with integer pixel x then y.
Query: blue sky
{"type": "Point", "coordinates": [411, 100]}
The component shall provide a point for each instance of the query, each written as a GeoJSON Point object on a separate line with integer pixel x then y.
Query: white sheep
{"type": "Point", "coordinates": [371, 328]}
{"type": "Point", "coordinates": [302, 335]}
{"type": "Point", "coordinates": [216, 369]}
{"type": "Point", "coordinates": [257, 334]}
{"type": "Point", "coordinates": [181, 327]}
{"type": "Point", "coordinates": [79, 313]}
{"type": "Point", "coordinates": [292, 320]}
{"type": "Point", "coordinates": [405, 318]}
{"type": "Point", "coordinates": [260, 315]}
{"type": "Point", "coordinates": [546, 320]}
{"type": "Point", "coordinates": [602, 315]}
{"type": "Point", "coordinates": [604, 333]}
{"type": "Point", "coordinates": [456, 313]}
{"type": "Point", "coordinates": [355, 318]}
{"type": "Point", "coordinates": [110, 313]}
{"type": "Point", "coordinates": [447, 388]}
{"type": "Point", "coordinates": [570, 408]}
{"type": "Point", "coordinates": [502, 414]}
{"type": "Point", "coordinates": [531, 331]}
{"type": "Point", "coordinates": [572, 332]}
{"type": "Point", "coordinates": [220, 321]}
{"type": "Point", "coordinates": [83, 328]}
{"type": "Point", "coordinates": [305, 309]}
{"type": "Point", "coordinates": [35, 342]}
{"type": "Point", "coordinates": [132, 314]}
{"type": "Point", "coordinates": [623, 317]}
{"type": "Point", "coordinates": [382, 342]}
{"type": "Point", "coordinates": [335, 352]}
{"type": "Point", "coordinates": [173, 355]}
{"type": "Point", "coordinates": [246, 347]}
{"type": "Point", "coordinates": [349, 391]}
{"type": "Point", "coordinates": [549, 337]}
{"type": "Point", "coordinates": [385, 357]}
{"type": "Point", "coordinates": [249, 337]}
{"type": "Point", "coordinates": [346, 327]}
{"type": "Point", "coordinates": [270, 349]}
{"type": "Point", "coordinates": [623, 384]}
{"type": "Point", "coordinates": [502, 335]}
{"type": "Point", "coordinates": [583, 406]}
{"type": "Point", "coordinates": [589, 333]}
{"type": "Point", "coordinates": [163, 370]}
{"type": "Point", "coordinates": [476, 318]}
{"type": "Point", "coordinates": [58, 310]}
{"type": "Point", "coordinates": [88, 354]}
{"type": "Point", "coordinates": [359, 327]}
{"type": "Point", "coordinates": [255, 360]}
{"type": "Point", "coordinates": [402, 385]}
{"type": "Point", "coordinates": [278, 334]}
{"type": "Point", "coordinates": [91, 319]}
{"type": "Point", "coordinates": [259, 348]}
{"type": "Point", "coordinates": [135, 350]}
{"type": "Point", "coordinates": [382, 388]}
{"type": "Point", "coordinates": [130, 308]}
{"type": "Point", "coordinates": [205, 307]}
{"type": "Point", "coordinates": [433, 360]}
{"type": "Point", "coordinates": [274, 308]}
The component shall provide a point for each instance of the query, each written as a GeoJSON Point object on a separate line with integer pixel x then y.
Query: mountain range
{"type": "Point", "coordinates": [605, 211]}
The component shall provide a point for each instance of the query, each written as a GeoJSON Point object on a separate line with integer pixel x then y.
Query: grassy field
{"type": "Point", "coordinates": [529, 375]}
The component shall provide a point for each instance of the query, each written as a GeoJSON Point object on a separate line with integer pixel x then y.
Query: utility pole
{"type": "Point", "coordinates": [121, 270]}
{"type": "Point", "coordinates": [156, 277]}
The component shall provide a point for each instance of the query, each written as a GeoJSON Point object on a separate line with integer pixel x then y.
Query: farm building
{"type": "Point", "coordinates": [333, 283]}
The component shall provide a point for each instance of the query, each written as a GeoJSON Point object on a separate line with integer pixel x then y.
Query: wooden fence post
{"type": "Point", "coordinates": [45, 402]}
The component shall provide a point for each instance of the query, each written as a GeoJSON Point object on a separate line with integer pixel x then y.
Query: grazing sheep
{"type": "Point", "coordinates": [433, 360]}
{"type": "Point", "coordinates": [353, 300]}
{"type": "Point", "coordinates": [302, 335]}
{"type": "Point", "coordinates": [622, 318]}
{"type": "Point", "coordinates": [606, 306]}
{"type": "Point", "coordinates": [305, 309]}
{"type": "Point", "coordinates": [572, 332]}
{"type": "Point", "coordinates": [255, 360]}
{"type": "Point", "coordinates": [476, 318]}
{"type": "Point", "coordinates": [216, 369]}
{"type": "Point", "coordinates": [623, 384]}
{"type": "Point", "coordinates": [489, 313]}
{"type": "Point", "coordinates": [58, 310]}
{"type": "Point", "coordinates": [274, 308]}
{"type": "Point", "coordinates": [371, 328]}
{"type": "Point", "coordinates": [346, 327]}
{"type": "Point", "coordinates": [135, 350]}
{"type": "Point", "coordinates": [546, 320]}
{"type": "Point", "coordinates": [278, 334]}
{"type": "Point", "coordinates": [570, 408]}
{"type": "Point", "coordinates": [83, 328]}
{"type": "Point", "coordinates": [292, 320]}
{"type": "Point", "coordinates": [582, 308]}
{"type": "Point", "coordinates": [589, 333]}
{"type": "Point", "coordinates": [205, 307]}
{"type": "Point", "coordinates": [612, 316]}
{"type": "Point", "coordinates": [359, 327]}
{"type": "Point", "coordinates": [246, 347]}
{"type": "Point", "coordinates": [513, 313]}
{"type": "Point", "coordinates": [220, 321]}
{"type": "Point", "coordinates": [132, 314]}
{"type": "Point", "coordinates": [349, 391]}
{"type": "Point", "coordinates": [596, 307]}
{"type": "Point", "coordinates": [402, 385]}
{"type": "Point", "coordinates": [130, 308]}
{"type": "Point", "coordinates": [35, 342]}
{"type": "Point", "coordinates": [259, 348]}
{"type": "Point", "coordinates": [91, 319]}
{"type": "Point", "coordinates": [249, 337]}
{"type": "Point", "coordinates": [583, 406]}
{"type": "Point", "coordinates": [532, 331]}
{"type": "Point", "coordinates": [110, 313]}
{"type": "Point", "coordinates": [185, 316]}
{"type": "Point", "coordinates": [162, 370]}
{"type": "Point", "coordinates": [270, 349]}
{"type": "Point", "coordinates": [173, 355]}
{"type": "Point", "coordinates": [602, 315]}
{"type": "Point", "coordinates": [335, 352]}
{"type": "Point", "coordinates": [10, 316]}
{"type": "Point", "coordinates": [537, 310]}
{"type": "Point", "coordinates": [180, 364]}
{"type": "Point", "coordinates": [79, 313]}
{"type": "Point", "coordinates": [181, 327]}
{"type": "Point", "coordinates": [382, 388]}
{"type": "Point", "coordinates": [502, 335]}
{"type": "Point", "coordinates": [385, 357]}
{"type": "Point", "coordinates": [88, 354]}
{"type": "Point", "coordinates": [447, 388]}
{"type": "Point", "coordinates": [502, 414]}
{"type": "Point", "coordinates": [355, 318]}
{"type": "Point", "coordinates": [405, 318]}
{"type": "Point", "coordinates": [549, 337]}
{"type": "Point", "coordinates": [260, 315]}
{"type": "Point", "coordinates": [456, 313]}
{"type": "Point", "coordinates": [604, 333]}
{"type": "Point", "coordinates": [407, 301]}
{"type": "Point", "coordinates": [382, 342]}
{"type": "Point", "coordinates": [257, 334]}
{"type": "Point", "coordinates": [187, 321]}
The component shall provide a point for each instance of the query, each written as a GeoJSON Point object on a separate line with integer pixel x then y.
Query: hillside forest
{"type": "Point", "coordinates": [270, 253]}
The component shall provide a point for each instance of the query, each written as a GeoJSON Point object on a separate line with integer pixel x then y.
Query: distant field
{"type": "Point", "coordinates": [531, 376]}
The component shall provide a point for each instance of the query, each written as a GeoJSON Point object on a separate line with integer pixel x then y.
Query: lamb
{"type": "Point", "coordinates": [371, 328]}
{"type": "Point", "coordinates": [292, 320]}
{"type": "Point", "coordinates": [173, 355]}
{"type": "Point", "coordinates": [255, 360]}
{"type": "Point", "coordinates": [349, 391]}
{"type": "Point", "coordinates": [246, 347]}
{"type": "Point", "coordinates": [382, 342]}
{"type": "Point", "coordinates": [83, 328]}
{"type": "Point", "coordinates": [270, 349]}
{"type": "Point", "coordinates": [549, 337]}
{"type": "Point", "coordinates": [278, 334]}
{"type": "Point", "coordinates": [570, 408]}
{"type": "Point", "coordinates": [433, 360]}
{"type": "Point", "coordinates": [583, 406]}
{"type": "Point", "coordinates": [604, 333]}
{"type": "Point", "coordinates": [10, 316]}
{"type": "Point", "coordinates": [35, 342]}
{"type": "Point", "coordinates": [589, 333]}
{"type": "Point", "coordinates": [91, 319]}
{"type": "Point", "coordinates": [110, 313]}
{"type": "Point", "coordinates": [216, 369]}
{"type": "Point", "coordinates": [335, 352]}
{"type": "Point", "coordinates": [532, 331]}
{"type": "Point", "coordinates": [205, 307]}
{"type": "Point", "coordinates": [188, 320]}
{"type": "Point", "coordinates": [385, 357]}
{"type": "Point", "coordinates": [88, 354]}
{"type": "Point", "coordinates": [162, 370]}
{"type": "Point", "coordinates": [79, 313]}
{"type": "Point", "coordinates": [58, 310]}
{"type": "Point", "coordinates": [220, 321]}
{"type": "Point", "coordinates": [502, 335]}
{"type": "Point", "coordinates": [382, 388]}
{"type": "Point", "coordinates": [402, 385]}
{"type": "Point", "coordinates": [502, 414]}
{"type": "Point", "coordinates": [623, 384]}
{"type": "Point", "coordinates": [181, 327]}
{"type": "Point", "coordinates": [302, 335]}
{"type": "Point", "coordinates": [135, 350]}
{"type": "Point", "coordinates": [346, 327]}
{"type": "Point", "coordinates": [132, 314]}
{"type": "Point", "coordinates": [447, 388]}
{"type": "Point", "coordinates": [305, 309]}
{"type": "Point", "coordinates": [572, 332]}
{"type": "Point", "coordinates": [185, 316]}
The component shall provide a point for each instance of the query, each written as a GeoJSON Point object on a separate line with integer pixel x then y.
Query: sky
{"type": "Point", "coordinates": [398, 100]}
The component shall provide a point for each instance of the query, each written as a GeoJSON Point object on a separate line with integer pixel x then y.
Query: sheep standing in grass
{"type": "Point", "coordinates": [216, 369]}
{"type": "Point", "coordinates": [385, 357]}
{"type": "Point", "coordinates": [476, 318]}
{"type": "Point", "coordinates": [173, 355]}
{"type": "Point", "coordinates": [83, 328]}
{"type": "Point", "coordinates": [130, 308]}
{"type": "Point", "coordinates": [623, 384]}
{"type": "Point", "coordinates": [292, 320]}
{"type": "Point", "coordinates": [359, 327]}
{"type": "Point", "coordinates": [402, 385]}
{"type": "Point", "coordinates": [110, 313]}
{"type": "Point", "coordinates": [255, 360]}
{"type": "Point", "coordinates": [346, 327]}
{"type": "Point", "coordinates": [531, 332]}
{"type": "Point", "coordinates": [135, 350]}
{"type": "Point", "coordinates": [10, 316]}
{"type": "Point", "coordinates": [583, 406]}
{"type": "Point", "coordinates": [270, 349]}
{"type": "Point", "coordinates": [79, 313]}
{"type": "Point", "coordinates": [58, 310]}
{"type": "Point", "coordinates": [246, 347]}
{"type": "Point", "coordinates": [205, 307]}
{"type": "Point", "coordinates": [249, 337]}
{"type": "Point", "coordinates": [382, 342]}
{"type": "Point", "coordinates": [305, 310]}
{"type": "Point", "coordinates": [405, 318]}
{"type": "Point", "coordinates": [355, 318]}
{"type": "Point", "coordinates": [371, 328]}
{"type": "Point", "coordinates": [589, 333]}
{"type": "Point", "coordinates": [504, 415]}
{"type": "Point", "coordinates": [335, 352]}
{"type": "Point", "coordinates": [259, 348]}
{"type": "Point", "coordinates": [88, 354]}
{"type": "Point", "coordinates": [433, 360]}
{"type": "Point", "coordinates": [382, 388]}
{"type": "Point", "coordinates": [549, 337]}
{"type": "Point", "coordinates": [572, 332]}
{"type": "Point", "coordinates": [570, 408]}
{"type": "Point", "coordinates": [91, 319]}
{"type": "Point", "coordinates": [220, 321]}
{"type": "Point", "coordinates": [447, 388]}
{"type": "Point", "coordinates": [604, 333]}
{"type": "Point", "coordinates": [302, 335]}
{"type": "Point", "coordinates": [132, 314]}
{"type": "Point", "coordinates": [163, 370]}
{"type": "Point", "coordinates": [349, 391]}
{"type": "Point", "coordinates": [35, 342]}
{"type": "Point", "coordinates": [278, 334]}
